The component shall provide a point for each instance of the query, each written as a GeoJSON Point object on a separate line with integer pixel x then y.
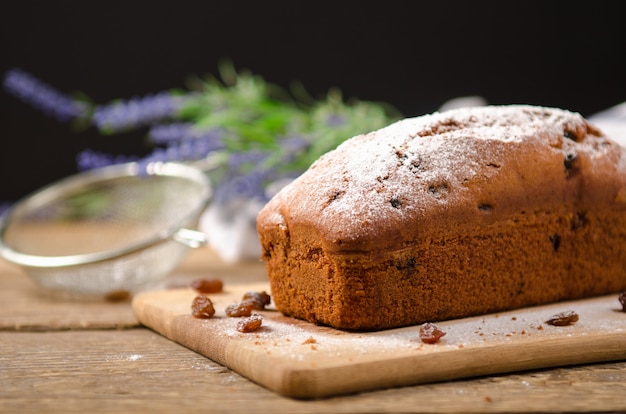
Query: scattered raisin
{"type": "Point", "coordinates": [117, 296]}
{"type": "Point", "coordinates": [430, 333]}
{"type": "Point", "coordinates": [309, 340]}
{"type": "Point", "coordinates": [202, 307]}
{"type": "Point", "coordinates": [207, 285]}
{"type": "Point", "coordinates": [622, 300]}
{"type": "Point", "coordinates": [240, 309]}
{"type": "Point", "coordinates": [259, 299]}
{"type": "Point", "coordinates": [250, 323]}
{"type": "Point", "coordinates": [563, 319]}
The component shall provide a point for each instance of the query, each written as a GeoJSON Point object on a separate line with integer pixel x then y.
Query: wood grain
{"type": "Point", "coordinates": [57, 369]}
{"type": "Point", "coordinates": [24, 307]}
{"type": "Point", "coordinates": [139, 371]}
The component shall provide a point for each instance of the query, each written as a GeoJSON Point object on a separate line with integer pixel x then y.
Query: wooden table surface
{"type": "Point", "coordinates": [95, 357]}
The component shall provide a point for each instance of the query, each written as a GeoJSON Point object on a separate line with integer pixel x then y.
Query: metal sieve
{"type": "Point", "coordinates": [112, 230]}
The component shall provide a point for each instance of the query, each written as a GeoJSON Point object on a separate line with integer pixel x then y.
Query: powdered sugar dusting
{"type": "Point", "coordinates": [405, 168]}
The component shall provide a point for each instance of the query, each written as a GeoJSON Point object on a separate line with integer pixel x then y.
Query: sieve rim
{"type": "Point", "coordinates": [56, 190]}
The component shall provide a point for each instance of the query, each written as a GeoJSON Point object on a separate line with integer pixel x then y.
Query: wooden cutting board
{"type": "Point", "coordinates": [302, 360]}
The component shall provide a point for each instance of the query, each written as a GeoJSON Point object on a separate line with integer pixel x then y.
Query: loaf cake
{"type": "Point", "coordinates": [449, 215]}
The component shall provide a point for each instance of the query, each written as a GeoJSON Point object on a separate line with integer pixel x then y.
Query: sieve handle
{"type": "Point", "coordinates": [191, 238]}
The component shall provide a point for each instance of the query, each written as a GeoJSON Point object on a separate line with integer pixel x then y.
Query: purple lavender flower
{"type": "Point", "coordinates": [5, 206]}
{"type": "Point", "coordinates": [292, 146]}
{"type": "Point", "coordinates": [240, 187]}
{"type": "Point", "coordinates": [335, 120]}
{"type": "Point", "coordinates": [185, 150]}
{"type": "Point", "coordinates": [42, 96]}
{"type": "Point", "coordinates": [240, 160]}
{"type": "Point", "coordinates": [247, 176]}
{"type": "Point", "coordinates": [162, 134]}
{"type": "Point", "coordinates": [180, 131]}
{"type": "Point", "coordinates": [89, 159]}
{"type": "Point", "coordinates": [136, 112]}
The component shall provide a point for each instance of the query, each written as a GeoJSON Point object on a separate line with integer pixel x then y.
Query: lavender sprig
{"type": "Point", "coordinates": [260, 133]}
{"type": "Point", "coordinates": [162, 134]}
{"type": "Point", "coordinates": [89, 159]}
{"type": "Point", "coordinates": [187, 150]}
{"type": "Point", "coordinates": [136, 112]}
{"type": "Point", "coordinates": [43, 97]}
{"type": "Point", "coordinates": [183, 131]}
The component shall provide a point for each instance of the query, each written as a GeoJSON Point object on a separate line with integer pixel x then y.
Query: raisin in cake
{"type": "Point", "coordinates": [449, 215]}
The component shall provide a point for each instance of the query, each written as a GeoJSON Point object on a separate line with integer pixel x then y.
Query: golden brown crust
{"type": "Point", "coordinates": [450, 215]}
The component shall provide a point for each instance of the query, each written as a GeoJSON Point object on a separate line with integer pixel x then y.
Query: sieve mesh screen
{"type": "Point", "coordinates": [107, 230]}
{"type": "Point", "coordinates": [101, 216]}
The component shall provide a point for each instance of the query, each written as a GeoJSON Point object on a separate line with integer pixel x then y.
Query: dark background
{"type": "Point", "coordinates": [413, 54]}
